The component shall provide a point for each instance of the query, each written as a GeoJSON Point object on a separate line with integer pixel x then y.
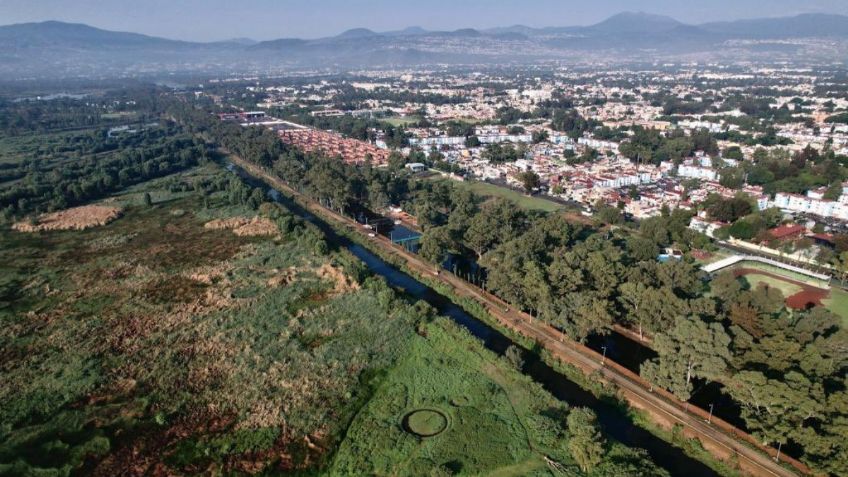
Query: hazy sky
{"type": "Point", "coordinates": [206, 20]}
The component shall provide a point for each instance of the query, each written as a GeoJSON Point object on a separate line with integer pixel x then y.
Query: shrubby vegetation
{"type": "Point", "coordinates": [584, 280]}
{"type": "Point", "coordinates": [498, 419]}
{"type": "Point", "coordinates": [219, 371]}
{"type": "Point", "coordinates": [155, 344]}
{"type": "Point", "coordinates": [42, 116]}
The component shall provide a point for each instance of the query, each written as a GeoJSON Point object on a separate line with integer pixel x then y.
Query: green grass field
{"type": "Point", "coordinates": [398, 121]}
{"type": "Point", "coordinates": [838, 303]}
{"type": "Point", "coordinates": [756, 279]}
{"type": "Point", "coordinates": [491, 190]}
{"type": "Point", "coordinates": [500, 422]}
{"type": "Point", "coordinates": [798, 277]}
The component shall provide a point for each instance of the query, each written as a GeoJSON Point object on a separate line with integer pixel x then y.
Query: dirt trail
{"type": "Point", "coordinates": [720, 438]}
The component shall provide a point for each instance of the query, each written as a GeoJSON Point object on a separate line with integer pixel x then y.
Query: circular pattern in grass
{"type": "Point", "coordinates": [425, 422]}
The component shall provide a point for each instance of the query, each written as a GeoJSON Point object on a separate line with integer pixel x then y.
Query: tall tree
{"type": "Point", "coordinates": [436, 243]}
{"type": "Point", "coordinates": [585, 442]}
{"type": "Point", "coordinates": [692, 348]}
{"type": "Point", "coordinates": [530, 181]}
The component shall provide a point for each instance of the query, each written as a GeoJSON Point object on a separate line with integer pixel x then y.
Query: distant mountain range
{"type": "Point", "coordinates": [56, 49]}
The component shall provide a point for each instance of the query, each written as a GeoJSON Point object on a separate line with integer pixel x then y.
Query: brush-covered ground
{"type": "Point", "coordinates": [187, 337]}
{"type": "Point", "coordinates": [499, 422]}
{"type": "Point", "coordinates": [156, 344]}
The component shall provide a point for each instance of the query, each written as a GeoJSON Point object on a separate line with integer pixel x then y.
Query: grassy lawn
{"type": "Point", "coordinates": [491, 190]}
{"type": "Point", "coordinates": [788, 289]}
{"type": "Point", "coordinates": [500, 422]}
{"type": "Point", "coordinates": [397, 121]}
{"type": "Point", "coordinates": [798, 277]}
{"type": "Point", "coordinates": [837, 302]}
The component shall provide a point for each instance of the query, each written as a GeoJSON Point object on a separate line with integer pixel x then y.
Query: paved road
{"type": "Point", "coordinates": [719, 437]}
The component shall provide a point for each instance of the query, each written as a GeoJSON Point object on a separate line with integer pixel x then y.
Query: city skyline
{"type": "Point", "coordinates": [216, 20]}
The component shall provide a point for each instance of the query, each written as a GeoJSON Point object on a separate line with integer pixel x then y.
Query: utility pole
{"type": "Point", "coordinates": [604, 356]}
{"type": "Point", "coordinates": [710, 419]}
{"type": "Point", "coordinates": [777, 457]}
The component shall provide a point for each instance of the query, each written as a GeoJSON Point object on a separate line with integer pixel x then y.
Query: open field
{"type": "Point", "coordinates": [397, 121]}
{"type": "Point", "coordinates": [154, 341]}
{"type": "Point", "coordinates": [496, 416]}
{"type": "Point", "coordinates": [756, 279]}
{"type": "Point", "coordinates": [499, 422]}
{"type": "Point", "coordinates": [798, 294]}
{"type": "Point", "coordinates": [837, 302]}
{"type": "Point", "coordinates": [787, 274]}
{"type": "Point", "coordinates": [491, 190]}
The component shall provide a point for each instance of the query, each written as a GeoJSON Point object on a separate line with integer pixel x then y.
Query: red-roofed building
{"type": "Point", "coordinates": [823, 239]}
{"type": "Point", "coordinates": [788, 232]}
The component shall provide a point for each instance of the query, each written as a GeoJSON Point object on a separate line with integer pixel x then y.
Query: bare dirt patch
{"type": "Point", "coordinates": [342, 283]}
{"type": "Point", "coordinates": [77, 218]}
{"type": "Point", "coordinates": [245, 227]}
{"type": "Point", "coordinates": [808, 298]}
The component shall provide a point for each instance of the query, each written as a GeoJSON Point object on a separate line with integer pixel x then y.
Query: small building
{"type": "Point", "coordinates": [416, 167]}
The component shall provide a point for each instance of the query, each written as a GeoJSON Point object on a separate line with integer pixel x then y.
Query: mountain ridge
{"type": "Point", "coordinates": [58, 48]}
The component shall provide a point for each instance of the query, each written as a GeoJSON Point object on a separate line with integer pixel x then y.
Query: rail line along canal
{"type": "Point", "coordinates": [613, 420]}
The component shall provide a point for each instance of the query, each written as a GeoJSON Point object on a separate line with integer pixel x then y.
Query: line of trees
{"type": "Point", "coordinates": [786, 368]}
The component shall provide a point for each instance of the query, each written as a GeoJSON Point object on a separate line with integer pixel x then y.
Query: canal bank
{"type": "Point", "coordinates": [721, 439]}
{"type": "Point", "coordinates": [612, 417]}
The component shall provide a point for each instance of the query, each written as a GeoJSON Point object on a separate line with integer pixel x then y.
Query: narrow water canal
{"type": "Point", "coordinates": [613, 421]}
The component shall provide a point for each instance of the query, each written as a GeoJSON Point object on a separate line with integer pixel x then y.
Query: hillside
{"type": "Point", "coordinates": [52, 49]}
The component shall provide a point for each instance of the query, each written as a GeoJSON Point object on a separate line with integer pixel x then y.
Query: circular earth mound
{"type": "Point", "coordinates": [425, 422]}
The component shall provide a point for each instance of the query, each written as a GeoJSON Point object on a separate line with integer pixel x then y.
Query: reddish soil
{"type": "Point", "coordinates": [808, 297]}
{"type": "Point", "coordinates": [700, 254]}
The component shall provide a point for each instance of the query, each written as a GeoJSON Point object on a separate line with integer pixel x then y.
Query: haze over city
{"type": "Point", "coordinates": [214, 20]}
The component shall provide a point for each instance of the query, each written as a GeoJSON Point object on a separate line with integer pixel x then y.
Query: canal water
{"type": "Point", "coordinates": [614, 422]}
